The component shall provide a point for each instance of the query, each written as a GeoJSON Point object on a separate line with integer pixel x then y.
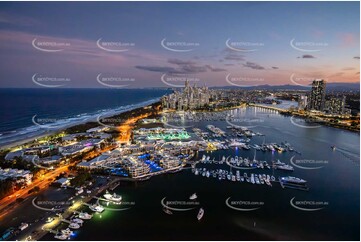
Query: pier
{"type": "Point", "coordinates": [65, 221]}
{"type": "Point", "coordinates": [51, 231]}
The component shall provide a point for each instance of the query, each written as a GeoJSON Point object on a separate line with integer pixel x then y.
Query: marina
{"type": "Point", "coordinates": [221, 174]}
{"type": "Point", "coordinates": [77, 219]}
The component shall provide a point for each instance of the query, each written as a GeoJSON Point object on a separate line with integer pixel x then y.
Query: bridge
{"type": "Point", "coordinates": [267, 107]}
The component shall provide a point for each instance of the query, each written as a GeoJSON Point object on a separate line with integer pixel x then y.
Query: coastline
{"type": "Point", "coordinates": [42, 133]}
{"type": "Point", "coordinates": [302, 116]}
{"type": "Point", "coordinates": [149, 109]}
{"type": "Point", "coordinates": [244, 226]}
{"type": "Point", "coordinates": [93, 121]}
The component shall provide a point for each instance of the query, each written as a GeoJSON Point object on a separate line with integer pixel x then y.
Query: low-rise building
{"type": "Point", "coordinates": [63, 182]}
{"type": "Point", "coordinates": [97, 129]}
{"type": "Point", "coordinates": [169, 163]}
{"type": "Point", "coordinates": [19, 176]}
{"type": "Point", "coordinates": [98, 162]}
{"type": "Point", "coordinates": [14, 154]}
{"type": "Point", "coordinates": [137, 169]}
{"type": "Point", "coordinates": [71, 150]}
{"type": "Point", "coordinates": [50, 160]}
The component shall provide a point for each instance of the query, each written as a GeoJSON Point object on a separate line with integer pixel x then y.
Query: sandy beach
{"type": "Point", "coordinates": [93, 121]}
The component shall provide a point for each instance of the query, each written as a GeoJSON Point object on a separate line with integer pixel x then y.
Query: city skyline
{"type": "Point", "coordinates": [131, 45]}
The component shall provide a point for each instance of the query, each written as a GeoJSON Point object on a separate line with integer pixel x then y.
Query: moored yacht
{"type": "Point", "coordinates": [167, 211]}
{"type": "Point", "coordinates": [193, 196]}
{"type": "Point", "coordinates": [285, 167]}
{"type": "Point", "coordinates": [74, 226]}
{"type": "Point", "coordinates": [200, 214]}
{"type": "Point", "coordinates": [112, 197]}
{"type": "Point", "coordinates": [77, 220]}
{"type": "Point", "coordinates": [207, 174]}
{"type": "Point", "coordinates": [96, 208]}
{"type": "Point", "coordinates": [85, 216]}
{"type": "Point", "coordinates": [292, 179]}
{"type": "Point", "coordinates": [61, 236]}
{"type": "Point", "coordinates": [67, 232]}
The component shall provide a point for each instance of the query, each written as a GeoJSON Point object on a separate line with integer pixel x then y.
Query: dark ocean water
{"type": "Point", "coordinates": [61, 107]}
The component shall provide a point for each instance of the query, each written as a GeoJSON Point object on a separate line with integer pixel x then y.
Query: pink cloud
{"type": "Point", "coordinates": [82, 53]}
{"type": "Point", "coordinates": [348, 39]}
{"type": "Point", "coordinates": [18, 20]}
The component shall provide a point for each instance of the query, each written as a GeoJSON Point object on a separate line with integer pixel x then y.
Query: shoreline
{"type": "Point", "coordinates": [93, 121]}
{"type": "Point", "coordinates": [286, 112]}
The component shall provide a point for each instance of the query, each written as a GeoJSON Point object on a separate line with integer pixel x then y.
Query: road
{"type": "Point", "coordinates": [124, 130]}
{"type": "Point", "coordinates": [42, 183]}
{"type": "Point", "coordinates": [23, 193]}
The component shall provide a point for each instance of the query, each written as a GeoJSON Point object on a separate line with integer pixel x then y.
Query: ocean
{"type": "Point", "coordinates": [58, 108]}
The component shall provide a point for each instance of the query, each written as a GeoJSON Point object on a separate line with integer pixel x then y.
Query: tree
{"type": "Point", "coordinates": [6, 187]}
{"type": "Point", "coordinates": [80, 179]}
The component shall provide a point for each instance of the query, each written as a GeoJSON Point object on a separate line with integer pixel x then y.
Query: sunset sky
{"type": "Point", "coordinates": [152, 44]}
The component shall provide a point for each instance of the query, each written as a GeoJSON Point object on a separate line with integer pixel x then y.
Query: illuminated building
{"type": "Point", "coordinates": [302, 102]}
{"type": "Point", "coordinates": [336, 105]}
{"type": "Point", "coordinates": [317, 95]}
{"type": "Point", "coordinates": [189, 99]}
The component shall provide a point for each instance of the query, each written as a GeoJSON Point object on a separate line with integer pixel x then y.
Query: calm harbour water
{"type": "Point", "coordinates": [336, 185]}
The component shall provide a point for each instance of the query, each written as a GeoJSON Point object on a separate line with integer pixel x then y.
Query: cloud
{"type": "Point", "coordinates": [163, 69]}
{"type": "Point", "coordinates": [180, 62]}
{"type": "Point", "coordinates": [348, 39]}
{"type": "Point", "coordinates": [81, 60]}
{"type": "Point", "coordinates": [357, 57]}
{"type": "Point", "coordinates": [307, 57]}
{"type": "Point", "coordinates": [181, 67]}
{"type": "Point", "coordinates": [18, 20]}
{"type": "Point", "coordinates": [348, 69]}
{"type": "Point", "coordinates": [192, 69]}
{"type": "Point", "coordinates": [275, 67]}
{"type": "Point", "coordinates": [215, 69]}
{"type": "Point", "coordinates": [253, 65]}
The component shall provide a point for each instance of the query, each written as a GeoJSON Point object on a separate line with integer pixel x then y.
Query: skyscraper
{"type": "Point", "coordinates": [317, 95]}
{"type": "Point", "coordinates": [336, 105]}
{"type": "Point", "coordinates": [190, 98]}
{"type": "Point", "coordinates": [302, 102]}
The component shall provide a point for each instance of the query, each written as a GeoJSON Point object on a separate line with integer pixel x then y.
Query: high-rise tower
{"type": "Point", "coordinates": [317, 95]}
